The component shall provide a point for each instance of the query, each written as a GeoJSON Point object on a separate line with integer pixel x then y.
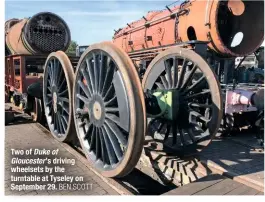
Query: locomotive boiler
{"type": "Point", "coordinates": [160, 76]}
{"type": "Point", "coordinates": [27, 44]}
{"type": "Point", "coordinates": [43, 33]}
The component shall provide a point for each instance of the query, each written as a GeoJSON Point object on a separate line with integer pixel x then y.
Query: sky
{"type": "Point", "coordinates": [89, 21]}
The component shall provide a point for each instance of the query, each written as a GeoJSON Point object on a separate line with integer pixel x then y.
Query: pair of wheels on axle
{"type": "Point", "coordinates": [103, 104]}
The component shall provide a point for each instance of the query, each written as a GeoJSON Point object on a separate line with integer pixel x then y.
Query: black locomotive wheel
{"type": "Point", "coordinates": [109, 110]}
{"type": "Point", "coordinates": [197, 108]}
{"type": "Point", "coordinates": [57, 96]}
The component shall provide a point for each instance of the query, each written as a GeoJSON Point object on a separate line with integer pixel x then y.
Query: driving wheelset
{"type": "Point", "coordinates": [179, 91]}
{"type": "Point", "coordinates": [186, 103]}
{"type": "Point", "coordinates": [109, 109]}
{"type": "Point", "coordinates": [57, 96]}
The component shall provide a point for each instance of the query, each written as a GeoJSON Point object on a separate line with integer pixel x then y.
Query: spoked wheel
{"type": "Point", "coordinates": [196, 105]}
{"type": "Point", "coordinates": [109, 109]}
{"type": "Point", "coordinates": [57, 96]}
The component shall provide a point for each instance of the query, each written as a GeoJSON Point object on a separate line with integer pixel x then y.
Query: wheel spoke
{"type": "Point", "coordinates": [65, 119]}
{"type": "Point", "coordinates": [64, 81]}
{"type": "Point", "coordinates": [175, 72]}
{"type": "Point", "coordinates": [96, 75]}
{"type": "Point", "coordinates": [189, 78]}
{"type": "Point", "coordinates": [93, 139]}
{"type": "Point", "coordinates": [91, 75]}
{"type": "Point", "coordinates": [115, 120]}
{"type": "Point", "coordinates": [159, 85]}
{"type": "Point", "coordinates": [111, 89]}
{"type": "Point", "coordinates": [103, 147]}
{"type": "Point", "coordinates": [110, 109]}
{"type": "Point", "coordinates": [60, 124]}
{"type": "Point", "coordinates": [54, 68]}
{"type": "Point", "coordinates": [114, 141]}
{"type": "Point", "coordinates": [64, 122]}
{"type": "Point", "coordinates": [110, 151]}
{"type": "Point", "coordinates": [63, 92]}
{"type": "Point", "coordinates": [52, 73]}
{"type": "Point", "coordinates": [108, 80]}
{"type": "Point", "coordinates": [200, 105]}
{"type": "Point", "coordinates": [86, 77]}
{"type": "Point", "coordinates": [198, 94]}
{"type": "Point", "coordinates": [56, 72]}
{"type": "Point", "coordinates": [168, 74]}
{"type": "Point", "coordinates": [49, 88]}
{"type": "Point", "coordinates": [60, 75]}
{"type": "Point", "coordinates": [66, 109]}
{"type": "Point", "coordinates": [117, 132]}
{"type": "Point", "coordinates": [198, 115]}
{"type": "Point", "coordinates": [182, 74]}
{"type": "Point", "coordinates": [111, 101]}
{"type": "Point", "coordinates": [84, 88]}
{"type": "Point", "coordinates": [85, 100]}
{"type": "Point", "coordinates": [164, 81]}
{"type": "Point", "coordinates": [64, 99]}
{"type": "Point", "coordinates": [102, 72]}
{"type": "Point", "coordinates": [49, 83]}
{"type": "Point", "coordinates": [49, 103]}
{"type": "Point", "coordinates": [196, 83]}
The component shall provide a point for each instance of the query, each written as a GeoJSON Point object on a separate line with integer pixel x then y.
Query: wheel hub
{"type": "Point", "coordinates": [171, 103]}
{"type": "Point", "coordinates": [55, 100]}
{"type": "Point", "coordinates": [97, 110]}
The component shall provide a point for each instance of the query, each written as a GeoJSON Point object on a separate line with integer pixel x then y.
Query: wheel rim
{"type": "Point", "coordinates": [198, 113]}
{"type": "Point", "coordinates": [99, 99]}
{"type": "Point", "coordinates": [57, 95]}
{"type": "Point", "coordinates": [105, 118]}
